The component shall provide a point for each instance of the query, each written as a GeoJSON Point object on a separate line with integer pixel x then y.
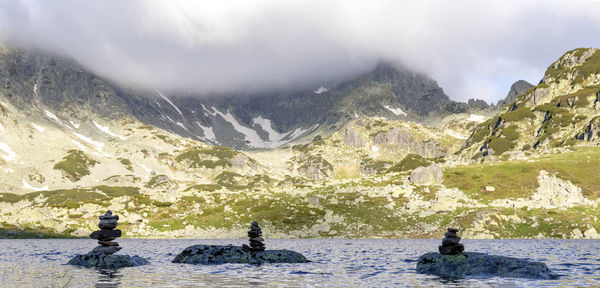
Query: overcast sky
{"type": "Point", "coordinates": [474, 49]}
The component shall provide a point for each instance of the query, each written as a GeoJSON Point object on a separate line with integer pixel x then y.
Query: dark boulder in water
{"type": "Point", "coordinates": [103, 255]}
{"type": "Point", "coordinates": [107, 261]}
{"type": "Point", "coordinates": [480, 265]}
{"type": "Point", "coordinates": [220, 254]}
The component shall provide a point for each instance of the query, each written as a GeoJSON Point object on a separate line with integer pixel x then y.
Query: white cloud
{"type": "Point", "coordinates": [473, 48]}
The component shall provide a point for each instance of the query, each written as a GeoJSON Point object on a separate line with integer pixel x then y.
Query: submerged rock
{"type": "Point", "coordinates": [473, 264]}
{"type": "Point", "coordinates": [102, 260]}
{"type": "Point", "coordinates": [220, 254]}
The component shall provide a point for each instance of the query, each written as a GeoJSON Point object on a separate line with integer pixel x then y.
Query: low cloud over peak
{"type": "Point", "coordinates": [474, 49]}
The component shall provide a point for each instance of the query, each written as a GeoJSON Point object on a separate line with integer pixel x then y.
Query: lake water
{"type": "Point", "coordinates": [336, 263]}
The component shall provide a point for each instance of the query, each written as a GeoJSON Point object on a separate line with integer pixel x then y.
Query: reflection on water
{"type": "Point", "coordinates": [336, 262]}
{"type": "Point", "coordinates": [108, 278]}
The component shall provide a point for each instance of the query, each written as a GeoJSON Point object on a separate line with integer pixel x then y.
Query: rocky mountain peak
{"type": "Point", "coordinates": [575, 66]}
{"type": "Point", "coordinates": [516, 89]}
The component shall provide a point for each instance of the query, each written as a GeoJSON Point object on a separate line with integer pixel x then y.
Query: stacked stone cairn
{"type": "Point", "coordinates": [256, 240]}
{"type": "Point", "coordinates": [107, 234]}
{"type": "Point", "coordinates": [450, 245]}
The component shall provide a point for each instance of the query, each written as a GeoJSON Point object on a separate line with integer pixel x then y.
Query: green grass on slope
{"type": "Point", "coordinates": [75, 165]}
{"type": "Point", "coordinates": [518, 179]}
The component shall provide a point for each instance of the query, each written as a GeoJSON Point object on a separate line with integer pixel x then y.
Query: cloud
{"type": "Point", "coordinates": [474, 49]}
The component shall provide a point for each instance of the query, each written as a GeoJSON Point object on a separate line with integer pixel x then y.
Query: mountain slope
{"type": "Point", "coordinates": [561, 111]}
{"type": "Point", "coordinates": [37, 80]}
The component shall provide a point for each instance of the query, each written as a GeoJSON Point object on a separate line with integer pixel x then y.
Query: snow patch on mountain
{"type": "Point", "coordinates": [79, 145]}
{"type": "Point", "coordinates": [28, 186]}
{"type": "Point", "coordinates": [265, 124]}
{"type": "Point", "coordinates": [251, 136]}
{"type": "Point", "coordinates": [10, 155]}
{"type": "Point", "coordinates": [38, 127]}
{"type": "Point", "coordinates": [455, 134]}
{"type": "Point", "coordinates": [209, 134]}
{"type": "Point", "coordinates": [180, 124]}
{"type": "Point", "coordinates": [168, 101]}
{"type": "Point", "coordinates": [321, 90]}
{"type": "Point", "coordinates": [56, 119]}
{"type": "Point", "coordinates": [76, 125]}
{"type": "Point", "coordinates": [396, 111]}
{"type": "Point", "coordinates": [106, 130]}
{"type": "Point", "coordinates": [476, 118]}
{"type": "Point", "coordinates": [96, 144]}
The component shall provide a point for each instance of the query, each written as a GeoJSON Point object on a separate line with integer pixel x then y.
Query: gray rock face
{"type": "Point", "coordinates": [353, 138]}
{"type": "Point", "coordinates": [472, 264]}
{"type": "Point", "coordinates": [430, 175]}
{"type": "Point", "coordinates": [516, 89]}
{"type": "Point", "coordinates": [405, 142]}
{"type": "Point", "coordinates": [59, 80]}
{"type": "Point", "coordinates": [102, 260]}
{"type": "Point", "coordinates": [219, 254]}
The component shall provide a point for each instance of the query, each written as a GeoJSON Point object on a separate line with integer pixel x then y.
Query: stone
{"type": "Point", "coordinates": [221, 254]}
{"type": "Point", "coordinates": [450, 234]}
{"type": "Point", "coordinates": [430, 175]}
{"type": "Point", "coordinates": [108, 243]}
{"type": "Point", "coordinates": [450, 244]}
{"type": "Point", "coordinates": [107, 261]}
{"type": "Point", "coordinates": [452, 249]}
{"type": "Point", "coordinates": [108, 215]}
{"type": "Point", "coordinates": [107, 224]}
{"type": "Point", "coordinates": [576, 233]}
{"type": "Point", "coordinates": [490, 188]}
{"type": "Point", "coordinates": [256, 241]}
{"type": "Point", "coordinates": [480, 265]}
{"type": "Point", "coordinates": [591, 233]}
{"type": "Point", "coordinates": [107, 249]}
{"type": "Point", "coordinates": [103, 234]}
{"type": "Point", "coordinates": [450, 241]}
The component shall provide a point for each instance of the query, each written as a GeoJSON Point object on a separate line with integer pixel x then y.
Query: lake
{"type": "Point", "coordinates": [335, 263]}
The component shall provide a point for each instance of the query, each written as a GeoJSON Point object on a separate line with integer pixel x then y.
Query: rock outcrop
{"type": "Point", "coordinates": [472, 264]}
{"type": "Point", "coordinates": [221, 254]}
{"type": "Point", "coordinates": [516, 89]}
{"type": "Point", "coordinates": [107, 261]}
{"type": "Point", "coordinates": [253, 254]}
{"type": "Point", "coordinates": [429, 175]}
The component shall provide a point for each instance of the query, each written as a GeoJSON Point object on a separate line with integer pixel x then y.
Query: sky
{"type": "Point", "coordinates": [473, 49]}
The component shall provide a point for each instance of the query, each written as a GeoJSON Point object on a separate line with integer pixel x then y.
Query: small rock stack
{"type": "Point", "coordinates": [450, 245]}
{"type": "Point", "coordinates": [256, 240]}
{"type": "Point", "coordinates": [107, 234]}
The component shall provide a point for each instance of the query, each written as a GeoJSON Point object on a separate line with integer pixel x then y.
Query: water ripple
{"type": "Point", "coordinates": [335, 263]}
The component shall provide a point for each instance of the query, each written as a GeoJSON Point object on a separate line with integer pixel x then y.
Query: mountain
{"type": "Point", "coordinates": [73, 144]}
{"type": "Point", "coordinates": [516, 89]}
{"type": "Point", "coordinates": [37, 80]}
{"type": "Point", "coordinates": [559, 112]}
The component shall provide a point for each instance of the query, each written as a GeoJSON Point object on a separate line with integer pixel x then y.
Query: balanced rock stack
{"type": "Point", "coordinates": [450, 245]}
{"type": "Point", "coordinates": [107, 234]}
{"type": "Point", "coordinates": [256, 240]}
